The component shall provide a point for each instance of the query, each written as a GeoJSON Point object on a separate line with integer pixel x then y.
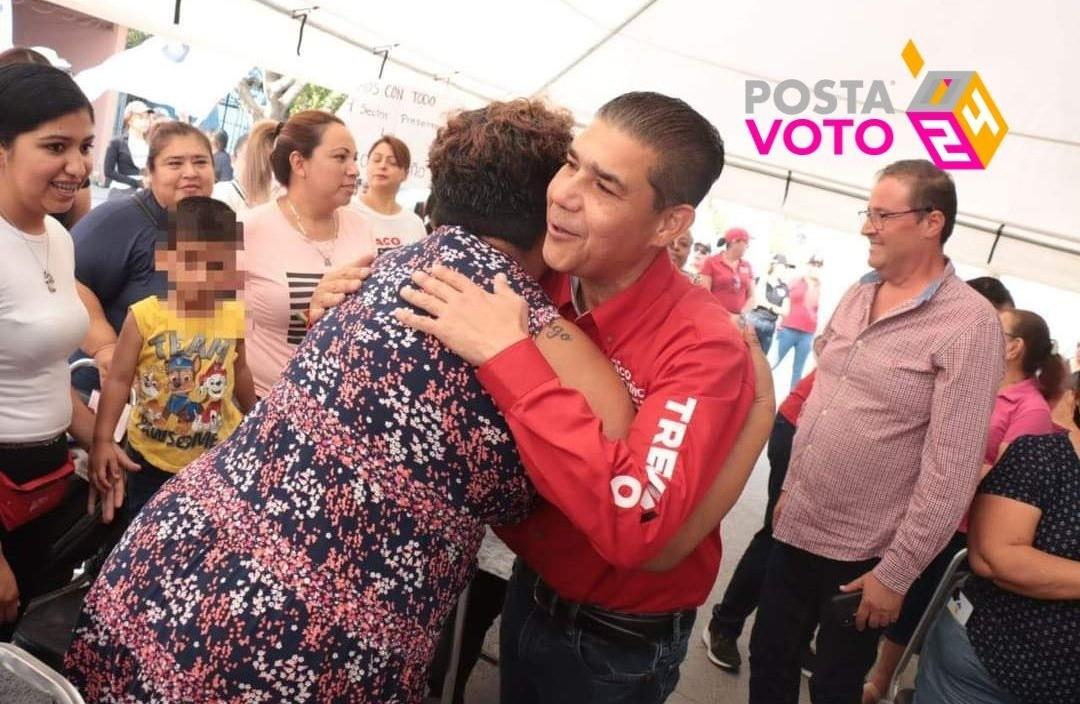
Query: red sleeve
{"type": "Point", "coordinates": [708, 267]}
{"type": "Point", "coordinates": [629, 496]}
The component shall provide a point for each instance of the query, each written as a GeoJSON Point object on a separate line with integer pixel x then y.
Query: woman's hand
{"type": "Point", "coordinates": [336, 284]}
{"type": "Point", "coordinates": [9, 593]}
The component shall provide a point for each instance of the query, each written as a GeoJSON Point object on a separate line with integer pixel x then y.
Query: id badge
{"type": "Point", "coordinates": [960, 608]}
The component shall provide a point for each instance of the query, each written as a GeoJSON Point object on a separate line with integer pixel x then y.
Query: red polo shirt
{"type": "Point", "coordinates": [610, 505]}
{"type": "Point", "coordinates": [731, 284]}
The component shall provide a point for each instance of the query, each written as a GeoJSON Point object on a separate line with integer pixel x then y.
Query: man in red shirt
{"type": "Point", "coordinates": [729, 275]}
{"type": "Point", "coordinates": [582, 622]}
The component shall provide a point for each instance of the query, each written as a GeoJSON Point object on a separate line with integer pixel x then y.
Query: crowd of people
{"type": "Point", "coordinates": [312, 411]}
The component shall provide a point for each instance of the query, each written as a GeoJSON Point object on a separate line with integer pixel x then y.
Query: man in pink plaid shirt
{"type": "Point", "coordinates": [887, 454]}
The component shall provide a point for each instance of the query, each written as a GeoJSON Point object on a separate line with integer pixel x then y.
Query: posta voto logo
{"type": "Point", "coordinates": [952, 113]}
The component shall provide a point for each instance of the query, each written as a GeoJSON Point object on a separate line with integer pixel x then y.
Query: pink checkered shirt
{"type": "Point", "coordinates": [887, 454]}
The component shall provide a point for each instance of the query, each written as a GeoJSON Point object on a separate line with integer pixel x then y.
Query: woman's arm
{"type": "Point", "coordinates": [100, 340]}
{"type": "Point", "coordinates": [1000, 548]}
{"type": "Point", "coordinates": [738, 465]}
{"type": "Point", "coordinates": [112, 173]}
{"type": "Point", "coordinates": [82, 422]}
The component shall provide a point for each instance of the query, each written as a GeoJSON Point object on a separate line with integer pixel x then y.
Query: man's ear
{"type": "Point", "coordinates": [673, 222]}
{"type": "Point", "coordinates": [936, 221]}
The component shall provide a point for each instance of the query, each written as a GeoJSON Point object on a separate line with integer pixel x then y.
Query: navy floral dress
{"type": "Point", "coordinates": [314, 556]}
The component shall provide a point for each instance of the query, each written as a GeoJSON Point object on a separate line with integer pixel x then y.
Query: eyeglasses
{"type": "Point", "coordinates": [877, 218]}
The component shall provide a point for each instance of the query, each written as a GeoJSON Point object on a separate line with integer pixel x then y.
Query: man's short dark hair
{"type": "Point", "coordinates": [221, 140]}
{"type": "Point", "coordinates": [994, 291]}
{"type": "Point", "coordinates": [689, 150]}
{"type": "Point", "coordinates": [930, 188]}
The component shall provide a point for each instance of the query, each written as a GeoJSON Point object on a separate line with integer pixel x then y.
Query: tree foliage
{"type": "Point", "coordinates": [267, 94]}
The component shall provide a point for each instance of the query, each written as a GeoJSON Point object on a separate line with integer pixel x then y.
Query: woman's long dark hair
{"type": "Point", "coordinates": [1040, 362]}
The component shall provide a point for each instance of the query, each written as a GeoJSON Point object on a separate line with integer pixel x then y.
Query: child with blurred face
{"type": "Point", "coordinates": [187, 351]}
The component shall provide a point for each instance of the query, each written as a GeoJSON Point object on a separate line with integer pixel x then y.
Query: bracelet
{"type": "Point", "coordinates": [107, 344]}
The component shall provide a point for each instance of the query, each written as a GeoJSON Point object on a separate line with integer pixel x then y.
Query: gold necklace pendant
{"type": "Point", "coordinates": [314, 245]}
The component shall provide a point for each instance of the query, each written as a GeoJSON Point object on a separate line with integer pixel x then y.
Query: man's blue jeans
{"type": "Point", "coordinates": [544, 662]}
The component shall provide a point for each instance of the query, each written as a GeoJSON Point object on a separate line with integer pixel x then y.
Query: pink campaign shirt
{"type": "Point", "coordinates": [804, 307]}
{"type": "Point", "coordinates": [281, 272]}
{"type": "Point", "coordinates": [1019, 409]}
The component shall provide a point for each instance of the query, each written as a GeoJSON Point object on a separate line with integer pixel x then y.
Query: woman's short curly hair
{"type": "Point", "coordinates": [490, 169]}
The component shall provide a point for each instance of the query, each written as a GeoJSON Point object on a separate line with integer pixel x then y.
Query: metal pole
{"type": "Point", "coordinates": [588, 52]}
{"type": "Point", "coordinates": [450, 681]}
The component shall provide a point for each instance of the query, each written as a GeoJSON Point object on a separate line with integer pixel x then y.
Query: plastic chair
{"type": "Point", "coordinates": [24, 678]}
{"type": "Point", "coordinates": [455, 653]}
{"type": "Point", "coordinates": [952, 580]}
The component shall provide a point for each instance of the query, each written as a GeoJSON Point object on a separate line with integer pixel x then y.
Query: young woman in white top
{"type": "Point", "coordinates": [253, 181]}
{"type": "Point", "coordinates": [46, 136]}
{"type": "Point", "coordinates": [388, 163]}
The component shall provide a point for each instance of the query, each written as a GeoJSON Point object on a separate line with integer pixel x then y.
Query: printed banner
{"type": "Point", "coordinates": [410, 114]}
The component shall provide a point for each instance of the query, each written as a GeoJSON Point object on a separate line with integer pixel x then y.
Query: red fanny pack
{"type": "Point", "coordinates": [22, 503]}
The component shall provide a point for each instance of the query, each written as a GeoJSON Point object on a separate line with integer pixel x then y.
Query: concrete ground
{"type": "Point", "coordinates": [701, 682]}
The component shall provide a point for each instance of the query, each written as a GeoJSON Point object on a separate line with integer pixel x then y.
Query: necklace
{"type": "Point", "coordinates": [46, 275]}
{"type": "Point", "coordinates": [326, 256]}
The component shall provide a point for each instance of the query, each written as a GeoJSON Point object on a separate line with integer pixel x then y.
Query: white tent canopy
{"type": "Point", "coordinates": [191, 79]}
{"type": "Point", "coordinates": [580, 53]}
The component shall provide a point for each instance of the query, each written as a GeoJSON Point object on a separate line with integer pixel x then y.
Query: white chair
{"type": "Point", "coordinates": [952, 580]}
{"type": "Point", "coordinates": [30, 680]}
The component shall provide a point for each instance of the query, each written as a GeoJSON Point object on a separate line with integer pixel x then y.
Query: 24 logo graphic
{"type": "Point", "coordinates": [955, 117]}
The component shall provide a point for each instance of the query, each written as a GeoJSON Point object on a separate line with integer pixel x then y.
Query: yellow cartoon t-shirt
{"type": "Point", "coordinates": [184, 382]}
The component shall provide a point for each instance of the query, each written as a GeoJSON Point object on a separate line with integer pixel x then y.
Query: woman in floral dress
{"type": "Point", "coordinates": [314, 556]}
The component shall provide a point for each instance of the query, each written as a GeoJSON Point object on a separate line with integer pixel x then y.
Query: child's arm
{"type": "Point", "coordinates": [244, 389]}
{"type": "Point", "coordinates": [106, 457]}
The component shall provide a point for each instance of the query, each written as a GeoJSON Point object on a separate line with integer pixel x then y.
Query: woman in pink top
{"type": "Point", "coordinates": [1033, 375]}
{"type": "Point", "coordinates": [292, 241]}
{"type": "Point", "coordinates": [799, 325]}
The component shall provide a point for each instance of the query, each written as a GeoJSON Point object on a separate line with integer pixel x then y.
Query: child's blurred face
{"type": "Point", "coordinates": [198, 266]}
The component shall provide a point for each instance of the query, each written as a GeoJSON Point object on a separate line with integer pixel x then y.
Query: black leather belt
{"type": "Point", "coordinates": [612, 626]}
{"type": "Point", "coordinates": [766, 311]}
